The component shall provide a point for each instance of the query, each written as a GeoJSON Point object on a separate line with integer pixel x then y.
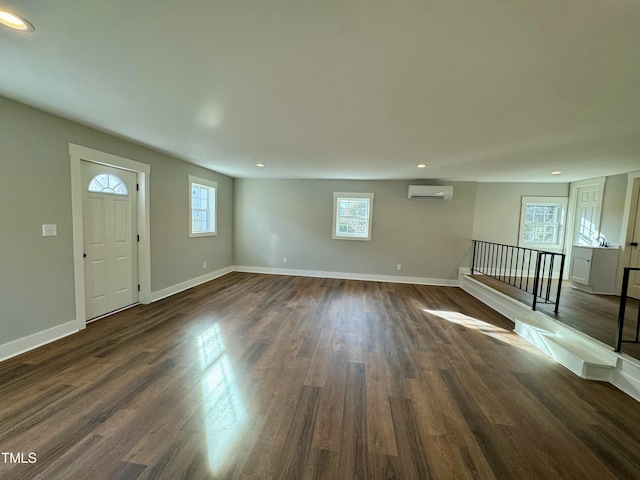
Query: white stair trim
{"type": "Point", "coordinates": [585, 356]}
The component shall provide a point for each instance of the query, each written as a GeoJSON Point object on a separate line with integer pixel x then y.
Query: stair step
{"type": "Point", "coordinates": [571, 353]}
{"type": "Point", "coordinates": [581, 354]}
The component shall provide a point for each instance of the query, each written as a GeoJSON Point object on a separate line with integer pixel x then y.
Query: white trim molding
{"type": "Point", "coordinates": [357, 197]}
{"type": "Point", "coordinates": [194, 282]}
{"type": "Point", "coordinates": [348, 276]}
{"type": "Point", "coordinates": [31, 342]}
{"type": "Point", "coordinates": [211, 209]}
{"type": "Point", "coordinates": [626, 229]}
{"type": "Point", "coordinates": [571, 214]}
{"type": "Point", "coordinates": [44, 337]}
{"type": "Point", "coordinates": [556, 247]}
{"type": "Point", "coordinates": [77, 153]}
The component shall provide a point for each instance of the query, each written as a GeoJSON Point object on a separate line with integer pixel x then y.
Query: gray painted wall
{"type": "Point", "coordinates": [36, 273]}
{"type": "Point", "coordinates": [293, 219]}
{"type": "Point", "coordinates": [259, 221]}
{"type": "Point", "coordinates": [497, 208]}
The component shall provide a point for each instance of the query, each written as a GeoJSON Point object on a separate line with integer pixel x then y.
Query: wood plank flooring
{"type": "Point", "coordinates": [594, 315]}
{"type": "Point", "coordinates": [271, 377]}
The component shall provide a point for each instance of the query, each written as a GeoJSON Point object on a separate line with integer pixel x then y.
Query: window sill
{"type": "Point", "coordinates": [203, 234]}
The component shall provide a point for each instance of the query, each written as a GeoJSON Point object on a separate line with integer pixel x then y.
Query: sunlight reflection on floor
{"type": "Point", "coordinates": [458, 318]}
{"type": "Point", "coordinates": [224, 409]}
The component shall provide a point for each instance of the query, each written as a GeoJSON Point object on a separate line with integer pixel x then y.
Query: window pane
{"type": "Point", "coordinates": [542, 223]}
{"type": "Point", "coordinates": [108, 183]}
{"type": "Point", "coordinates": [352, 217]}
{"type": "Point", "coordinates": [202, 209]}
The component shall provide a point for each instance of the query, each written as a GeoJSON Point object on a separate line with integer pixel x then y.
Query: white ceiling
{"type": "Point", "coordinates": [365, 89]}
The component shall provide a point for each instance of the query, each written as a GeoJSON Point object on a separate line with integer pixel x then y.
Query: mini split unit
{"type": "Point", "coordinates": [430, 191]}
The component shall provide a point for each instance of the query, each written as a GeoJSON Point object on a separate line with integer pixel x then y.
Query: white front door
{"type": "Point", "coordinates": [634, 261]}
{"type": "Point", "coordinates": [587, 218]}
{"type": "Point", "coordinates": [109, 237]}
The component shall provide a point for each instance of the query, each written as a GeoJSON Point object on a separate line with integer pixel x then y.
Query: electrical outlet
{"type": "Point", "coordinates": [284, 259]}
{"type": "Point", "coordinates": [398, 266]}
{"type": "Point", "coordinates": [204, 264]}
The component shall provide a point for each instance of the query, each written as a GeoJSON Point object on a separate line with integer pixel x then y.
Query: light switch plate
{"type": "Point", "coordinates": [49, 230]}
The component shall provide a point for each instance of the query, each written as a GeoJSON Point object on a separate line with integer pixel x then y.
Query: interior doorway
{"type": "Point", "coordinates": [141, 278]}
{"type": "Point", "coordinates": [583, 225]}
{"type": "Point", "coordinates": [586, 227]}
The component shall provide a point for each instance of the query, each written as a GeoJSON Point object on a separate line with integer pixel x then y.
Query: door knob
{"type": "Point", "coordinates": [84, 255]}
{"type": "Point", "coordinates": [634, 244]}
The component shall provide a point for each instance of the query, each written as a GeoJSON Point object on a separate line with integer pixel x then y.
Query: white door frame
{"type": "Point", "coordinates": [77, 153]}
{"type": "Point", "coordinates": [628, 219]}
{"type": "Point", "coordinates": [571, 212]}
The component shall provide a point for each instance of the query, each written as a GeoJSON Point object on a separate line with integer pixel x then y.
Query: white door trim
{"type": "Point", "coordinates": [628, 219]}
{"type": "Point", "coordinates": [77, 153]}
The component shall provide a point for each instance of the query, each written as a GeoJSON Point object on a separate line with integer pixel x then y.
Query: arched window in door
{"type": "Point", "coordinates": [108, 183]}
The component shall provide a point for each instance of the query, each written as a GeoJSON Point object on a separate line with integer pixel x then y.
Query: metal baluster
{"type": "Point", "coordinates": [507, 263]}
{"type": "Point", "coordinates": [528, 271]}
{"type": "Point", "coordinates": [623, 305]}
{"type": "Point", "coordinates": [638, 324]}
{"type": "Point", "coordinates": [485, 257]}
{"type": "Point", "coordinates": [550, 281]}
{"type": "Point", "coordinates": [493, 272]}
{"type": "Point", "coordinates": [473, 258]}
{"type": "Point", "coordinates": [535, 281]}
{"type": "Point", "coordinates": [521, 269]}
{"type": "Point", "coordinates": [560, 283]}
{"type": "Point", "coordinates": [544, 270]}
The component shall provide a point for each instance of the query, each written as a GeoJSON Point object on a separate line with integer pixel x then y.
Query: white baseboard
{"type": "Point", "coordinates": [194, 282]}
{"type": "Point", "coordinates": [347, 276]}
{"type": "Point", "coordinates": [625, 374]}
{"type": "Point", "coordinates": [38, 339]}
{"type": "Point", "coordinates": [24, 344]}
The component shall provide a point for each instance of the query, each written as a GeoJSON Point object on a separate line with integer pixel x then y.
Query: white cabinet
{"type": "Point", "coordinates": [593, 269]}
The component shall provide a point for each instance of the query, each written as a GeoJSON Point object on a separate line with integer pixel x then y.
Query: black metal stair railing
{"type": "Point", "coordinates": [537, 272]}
{"type": "Point", "coordinates": [622, 311]}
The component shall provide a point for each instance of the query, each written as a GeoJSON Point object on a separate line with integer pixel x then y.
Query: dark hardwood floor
{"type": "Point", "coordinates": [593, 315]}
{"type": "Point", "coordinates": [268, 377]}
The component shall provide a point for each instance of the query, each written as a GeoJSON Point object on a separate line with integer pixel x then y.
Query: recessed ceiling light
{"type": "Point", "coordinates": [11, 20]}
{"type": "Point", "coordinates": [557, 172]}
{"type": "Point", "coordinates": [259, 165]}
{"type": "Point", "coordinates": [421, 165]}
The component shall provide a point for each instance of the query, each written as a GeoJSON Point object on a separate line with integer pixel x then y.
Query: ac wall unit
{"type": "Point", "coordinates": [430, 191]}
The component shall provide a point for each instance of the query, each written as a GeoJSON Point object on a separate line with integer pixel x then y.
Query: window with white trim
{"type": "Point", "coordinates": [352, 214]}
{"type": "Point", "coordinates": [202, 207]}
{"type": "Point", "coordinates": [542, 222]}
